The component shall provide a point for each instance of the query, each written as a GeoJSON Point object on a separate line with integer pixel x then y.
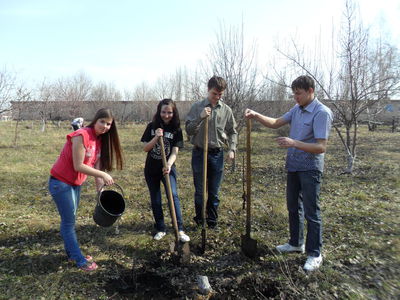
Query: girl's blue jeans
{"type": "Point", "coordinates": [153, 183]}
{"type": "Point", "coordinates": [67, 198]}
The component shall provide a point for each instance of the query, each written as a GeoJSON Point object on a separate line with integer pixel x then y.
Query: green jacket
{"type": "Point", "coordinates": [221, 126]}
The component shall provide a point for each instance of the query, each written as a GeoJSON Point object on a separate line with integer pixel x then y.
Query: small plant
{"type": "Point", "coordinates": [361, 196]}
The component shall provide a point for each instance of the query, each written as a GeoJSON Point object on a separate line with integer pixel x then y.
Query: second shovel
{"type": "Point", "coordinates": [249, 245]}
{"type": "Point", "coordinates": [205, 196]}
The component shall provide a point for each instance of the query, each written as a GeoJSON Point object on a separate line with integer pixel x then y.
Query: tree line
{"type": "Point", "coordinates": [354, 71]}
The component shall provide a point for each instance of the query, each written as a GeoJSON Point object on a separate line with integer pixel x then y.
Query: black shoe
{"type": "Point", "coordinates": [212, 225]}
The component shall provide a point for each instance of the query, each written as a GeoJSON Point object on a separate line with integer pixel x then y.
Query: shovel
{"type": "Point", "coordinates": [249, 245]}
{"type": "Point", "coordinates": [182, 249]}
{"type": "Point", "coordinates": [203, 212]}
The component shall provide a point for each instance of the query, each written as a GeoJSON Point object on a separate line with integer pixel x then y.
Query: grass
{"type": "Point", "coordinates": [360, 214]}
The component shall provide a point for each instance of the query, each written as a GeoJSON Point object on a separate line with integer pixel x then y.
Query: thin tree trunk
{"type": "Point", "coordinates": [348, 139]}
{"type": "Point", "coordinates": [353, 149]}
{"type": "Point", "coordinates": [16, 133]}
{"type": "Point", "coordinates": [349, 154]}
{"type": "Point", "coordinates": [350, 164]}
{"type": "Point", "coordinates": [43, 125]}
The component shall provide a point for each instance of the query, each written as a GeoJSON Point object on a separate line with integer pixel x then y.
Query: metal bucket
{"type": "Point", "coordinates": [110, 206]}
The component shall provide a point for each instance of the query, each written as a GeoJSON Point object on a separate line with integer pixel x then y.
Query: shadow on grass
{"type": "Point", "coordinates": [43, 252]}
{"type": "Point", "coordinates": [152, 274]}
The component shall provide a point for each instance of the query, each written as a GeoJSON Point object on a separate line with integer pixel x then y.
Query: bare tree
{"type": "Point", "coordinates": [358, 77]}
{"type": "Point", "coordinates": [124, 111]}
{"type": "Point", "coordinates": [22, 95]}
{"type": "Point", "coordinates": [186, 85]}
{"type": "Point", "coordinates": [143, 92]}
{"type": "Point", "coordinates": [45, 93]}
{"type": "Point", "coordinates": [7, 85]}
{"type": "Point", "coordinates": [172, 86]}
{"type": "Point", "coordinates": [103, 92]}
{"type": "Point", "coordinates": [178, 85]}
{"type": "Point", "coordinates": [76, 88]}
{"type": "Point", "coordinates": [73, 89]}
{"type": "Point", "coordinates": [195, 84]}
{"type": "Point", "coordinates": [229, 59]}
{"type": "Point", "coordinates": [164, 87]}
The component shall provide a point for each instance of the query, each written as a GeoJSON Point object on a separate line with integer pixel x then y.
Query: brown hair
{"type": "Point", "coordinates": [110, 145]}
{"type": "Point", "coordinates": [303, 82]}
{"type": "Point", "coordinates": [217, 82]}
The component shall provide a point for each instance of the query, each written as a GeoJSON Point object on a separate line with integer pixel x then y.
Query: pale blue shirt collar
{"type": "Point", "coordinates": [311, 106]}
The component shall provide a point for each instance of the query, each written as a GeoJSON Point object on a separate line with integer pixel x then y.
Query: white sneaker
{"type": "Point", "coordinates": [159, 235]}
{"type": "Point", "coordinates": [313, 263]}
{"type": "Point", "coordinates": [183, 237]}
{"type": "Point", "coordinates": [286, 248]}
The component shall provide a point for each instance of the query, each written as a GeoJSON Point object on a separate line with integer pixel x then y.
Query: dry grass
{"type": "Point", "coordinates": [360, 214]}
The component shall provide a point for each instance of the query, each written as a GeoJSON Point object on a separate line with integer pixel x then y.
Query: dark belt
{"type": "Point", "coordinates": [52, 177]}
{"type": "Point", "coordinates": [210, 150]}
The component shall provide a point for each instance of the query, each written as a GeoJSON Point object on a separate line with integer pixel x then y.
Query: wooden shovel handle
{"type": "Point", "coordinates": [169, 190]}
{"type": "Point", "coordinates": [248, 176]}
{"type": "Point", "coordinates": [205, 156]}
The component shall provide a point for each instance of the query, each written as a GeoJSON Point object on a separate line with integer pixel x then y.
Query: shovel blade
{"type": "Point", "coordinates": [184, 253]}
{"type": "Point", "coordinates": [203, 241]}
{"type": "Point", "coordinates": [249, 246]}
{"type": "Point", "coordinates": [180, 252]}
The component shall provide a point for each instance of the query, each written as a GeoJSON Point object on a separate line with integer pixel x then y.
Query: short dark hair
{"type": "Point", "coordinates": [217, 82]}
{"type": "Point", "coordinates": [304, 82]}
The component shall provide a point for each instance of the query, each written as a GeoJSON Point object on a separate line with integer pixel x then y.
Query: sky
{"type": "Point", "coordinates": [126, 42]}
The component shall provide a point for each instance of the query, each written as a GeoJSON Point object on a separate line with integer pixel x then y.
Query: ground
{"type": "Point", "coordinates": [360, 214]}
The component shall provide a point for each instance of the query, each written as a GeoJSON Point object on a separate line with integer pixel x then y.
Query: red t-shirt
{"type": "Point", "coordinates": [63, 168]}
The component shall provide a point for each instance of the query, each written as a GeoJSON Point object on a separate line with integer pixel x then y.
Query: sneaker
{"type": "Point", "coordinates": [286, 248]}
{"type": "Point", "coordinates": [159, 235]}
{"type": "Point", "coordinates": [312, 263]}
{"type": "Point", "coordinates": [183, 237]}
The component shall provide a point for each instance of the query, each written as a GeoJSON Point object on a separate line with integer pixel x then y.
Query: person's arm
{"type": "Point", "coordinates": [149, 145]}
{"type": "Point", "coordinates": [171, 160]}
{"type": "Point", "coordinates": [315, 148]}
{"type": "Point", "coordinates": [78, 156]}
{"type": "Point", "coordinates": [232, 137]}
{"type": "Point", "coordinates": [194, 119]}
{"type": "Point", "coordinates": [266, 121]}
{"type": "Point", "coordinates": [99, 181]}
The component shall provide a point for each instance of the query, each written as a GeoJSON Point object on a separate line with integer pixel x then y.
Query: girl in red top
{"type": "Point", "coordinates": [88, 151]}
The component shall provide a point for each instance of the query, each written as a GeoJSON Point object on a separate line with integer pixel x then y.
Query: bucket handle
{"type": "Point", "coordinates": [103, 186]}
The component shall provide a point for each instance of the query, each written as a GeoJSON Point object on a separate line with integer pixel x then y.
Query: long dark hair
{"type": "Point", "coordinates": [158, 122]}
{"type": "Point", "coordinates": [110, 145]}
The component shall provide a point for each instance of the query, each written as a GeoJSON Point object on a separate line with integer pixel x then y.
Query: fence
{"type": "Point", "coordinates": [144, 110]}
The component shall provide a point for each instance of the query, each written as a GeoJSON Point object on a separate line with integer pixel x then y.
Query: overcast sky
{"type": "Point", "coordinates": [127, 42]}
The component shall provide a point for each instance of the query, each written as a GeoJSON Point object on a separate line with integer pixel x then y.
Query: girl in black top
{"type": "Point", "coordinates": [165, 124]}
